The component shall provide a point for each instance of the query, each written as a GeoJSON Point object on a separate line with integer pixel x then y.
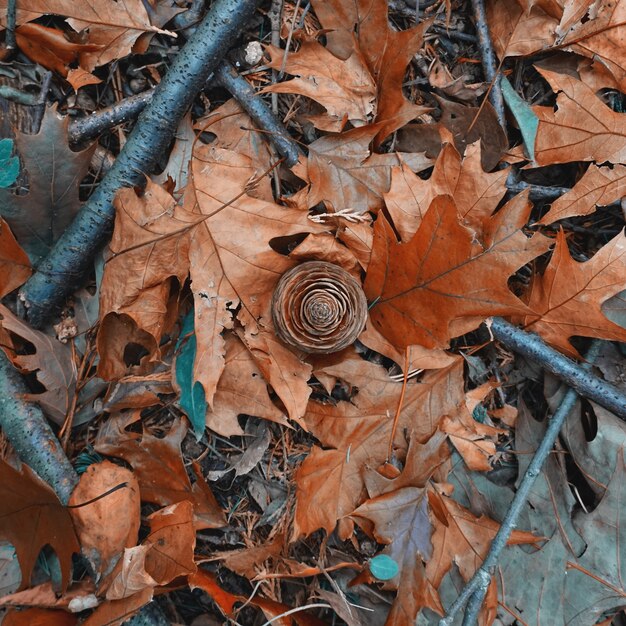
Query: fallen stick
{"type": "Point", "coordinates": [574, 375]}
{"type": "Point", "coordinates": [474, 591]}
{"type": "Point", "coordinates": [488, 57]}
{"type": "Point", "coordinates": [60, 273]}
{"type": "Point", "coordinates": [27, 429]}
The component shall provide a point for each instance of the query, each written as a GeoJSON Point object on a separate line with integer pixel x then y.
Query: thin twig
{"type": "Point", "coordinates": [41, 101]}
{"type": "Point", "coordinates": [574, 375]}
{"type": "Point", "coordinates": [489, 60]}
{"type": "Point", "coordinates": [474, 591]}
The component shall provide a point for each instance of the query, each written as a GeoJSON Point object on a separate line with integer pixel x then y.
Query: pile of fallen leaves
{"type": "Point", "coordinates": [215, 456]}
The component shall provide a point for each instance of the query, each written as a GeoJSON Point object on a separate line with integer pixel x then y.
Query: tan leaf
{"type": "Point", "coordinates": [159, 467]}
{"type": "Point", "coordinates": [113, 26]}
{"type": "Point", "coordinates": [344, 88]}
{"type": "Point", "coordinates": [582, 128]}
{"type": "Point", "coordinates": [103, 532]}
{"type": "Point", "coordinates": [599, 186]}
{"type": "Point", "coordinates": [441, 284]}
{"type": "Point", "coordinates": [566, 300]}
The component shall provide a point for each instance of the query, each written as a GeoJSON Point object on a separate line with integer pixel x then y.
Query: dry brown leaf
{"type": "Point", "coordinates": [130, 576]}
{"type": "Point", "coordinates": [116, 612]}
{"type": "Point", "coordinates": [566, 300]}
{"type": "Point", "coordinates": [114, 27]}
{"type": "Point", "coordinates": [516, 32]}
{"type": "Point", "coordinates": [442, 284]}
{"type": "Point", "coordinates": [14, 263]}
{"type": "Point", "coordinates": [159, 467]}
{"type": "Point", "coordinates": [476, 192]}
{"type": "Point", "coordinates": [599, 186]}
{"type": "Point", "coordinates": [52, 362]}
{"type": "Point", "coordinates": [330, 482]}
{"type": "Point", "coordinates": [39, 617]}
{"type": "Point", "coordinates": [344, 173]}
{"type": "Point", "coordinates": [344, 88]}
{"type": "Point", "coordinates": [149, 248]}
{"type": "Point", "coordinates": [241, 389]}
{"type": "Point", "coordinates": [387, 53]}
{"type": "Point", "coordinates": [102, 531]}
{"type": "Point", "coordinates": [597, 30]}
{"type": "Point", "coordinates": [32, 517]}
{"type": "Point", "coordinates": [50, 47]}
{"type": "Point", "coordinates": [44, 596]}
{"type": "Point", "coordinates": [172, 542]}
{"type": "Point", "coordinates": [233, 263]}
{"type": "Point", "coordinates": [582, 128]}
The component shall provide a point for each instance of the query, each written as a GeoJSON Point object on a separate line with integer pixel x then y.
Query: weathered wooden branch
{"type": "Point", "coordinates": [258, 111]}
{"type": "Point", "coordinates": [488, 57]}
{"type": "Point", "coordinates": [61, 271]}
{"type": "Point", "coordinates": [474, 591]}
{"type": "Point", "coordinates": [27, 429]}
{"type": "Point", "coordinates": [585, 383]}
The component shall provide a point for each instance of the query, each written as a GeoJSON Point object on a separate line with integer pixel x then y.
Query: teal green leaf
{"type": "Point", "coordinates": [523, 114]}
{"type": "Point", "coordinates": [383, 567]}
{"type": "Point", "coordinates": [192, 399]}
{"type": "Point", "coordinates": [9, 166]}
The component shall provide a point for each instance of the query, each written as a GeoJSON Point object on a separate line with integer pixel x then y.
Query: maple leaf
{"type": "Point", "coordinates": [14, 263]}
{"type": "Point", "coordinates": [330, 482]}
{"type": "Point", "coordinates": [476, 192]}
{"type": "Point", "coordinates": [567, 298]}
{"type": "Point", "coordinates": [599, 186]}
{"type": "Point", "coordinates": [582, 128]}
{"type": "Point", "coordinates": [344, 174]}
{"type": "Point", "coordinates": [113, 26]}
{"type": "Point", "coordinates": [159, 468]}
{"type": "Point", "coordinates": [344, 88]}
{"type": "Point", "coordinates": [387, 53]}
{"type": "Point", "coordinates": [442, 284]}
{"type": "Point", "coordinates": [39, 217]}
{"type": "Point", "coordinates": [32, 517]}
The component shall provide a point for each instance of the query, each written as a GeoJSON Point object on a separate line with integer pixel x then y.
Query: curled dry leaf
{"type": "Point", "coordinates": [14, 263]}
{"type": "Point", "coordinates": [103, 531]}
{"type": "Point", "coordinates": [318, 307]}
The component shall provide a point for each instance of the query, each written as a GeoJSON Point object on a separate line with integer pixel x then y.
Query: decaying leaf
{"type": "Point", "coordinates": [32, 518]}
{"type": "Point", "coordinates": [39, 217]}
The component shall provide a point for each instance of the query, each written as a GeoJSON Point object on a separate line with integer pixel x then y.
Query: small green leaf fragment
{"type": "Point", "coordinates": [9, 171]}
{"type": "Point", "coordinates": [383, 567]}
{"type": "Point", "coordinates": [524, 115]}
{"type": "Point", "coordinates": [192, 398]}
{"type": "Point", "coordinates": [6, 149]}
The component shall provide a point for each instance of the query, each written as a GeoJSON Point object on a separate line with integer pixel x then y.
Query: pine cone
{"type": "Point", "coordinates": [318, 307]}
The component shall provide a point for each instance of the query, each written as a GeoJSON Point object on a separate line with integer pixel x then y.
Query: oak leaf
{"type": "Point", "coordinates": [442, 284]}
{"type": "Point", "coordinates": [475, 191]}
{"type": "Point", "coordinates": [159, 467]}
{"type": "Point", "coordinates": [344, 88]}
{"type": "Point", "coordinates": [387, 53]}
{"type": "Point", "coordinates": [39, 217]}
{"type": "Point", "coordinates": [344, 173]}
{"type": "Point", "coordinates": [566, 300]}
{"type": "Point", "coordinates": [330, 482]}
{"type": "Point", "coordinates": [32, 517]}
{"type": "Point", "coordinates": [599, 186]}
{"type": "Point", "coordinates": [115, 27]}
{"type": "Point", "coordinates": [582, 128]}
{"type": "Point", "coordinates": [103, 532]}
